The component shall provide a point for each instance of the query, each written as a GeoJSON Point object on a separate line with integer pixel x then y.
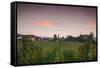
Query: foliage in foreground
{"type": "Point", "coordinates": [35, 52]}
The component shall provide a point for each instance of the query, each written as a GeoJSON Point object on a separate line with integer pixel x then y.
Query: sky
{"type": "Point", "coordinates": [47, 20]}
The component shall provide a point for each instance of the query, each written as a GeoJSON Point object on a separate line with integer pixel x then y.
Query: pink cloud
{"type": "Point", "coordinates": [42, 23]}
{"type": "Point", "coordinates": [91, 25]}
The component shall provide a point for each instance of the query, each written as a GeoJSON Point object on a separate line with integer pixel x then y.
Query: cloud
{"type": "Point", "coordinates": [42, 23]}
{"type": "Point", "coordinates": [91, 25]}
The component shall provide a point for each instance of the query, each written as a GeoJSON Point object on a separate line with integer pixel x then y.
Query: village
{"type": "Point", "coordinates": [81, 38]}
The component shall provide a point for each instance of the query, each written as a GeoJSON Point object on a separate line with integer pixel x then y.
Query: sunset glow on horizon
{"type": "Point", "coordinates": [42, 23]}
{"type": "Point", "coordinates": [47, 20]}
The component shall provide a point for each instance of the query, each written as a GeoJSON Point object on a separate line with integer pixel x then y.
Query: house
{"type": "Point", "coordinates": [26, 37]}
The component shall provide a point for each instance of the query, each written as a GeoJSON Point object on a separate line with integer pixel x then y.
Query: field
{"type": "Point", "coordinates": [41, 52]}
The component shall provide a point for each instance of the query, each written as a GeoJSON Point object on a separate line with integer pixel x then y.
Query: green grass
{"type": "Point", "coordinates": [35, 52]}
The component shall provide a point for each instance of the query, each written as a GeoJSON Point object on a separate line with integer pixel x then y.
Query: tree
{"type": "Point", "coordinates": [91, 35]}
{"type": "Point", "coordinates": [55, 37]}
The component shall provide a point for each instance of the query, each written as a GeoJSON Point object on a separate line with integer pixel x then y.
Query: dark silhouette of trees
{"type": "Point", "coordinates": [55, 37]}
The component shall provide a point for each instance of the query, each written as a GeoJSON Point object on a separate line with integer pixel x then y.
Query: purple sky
{"type": "Point", "coordinates": [47, 20]}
